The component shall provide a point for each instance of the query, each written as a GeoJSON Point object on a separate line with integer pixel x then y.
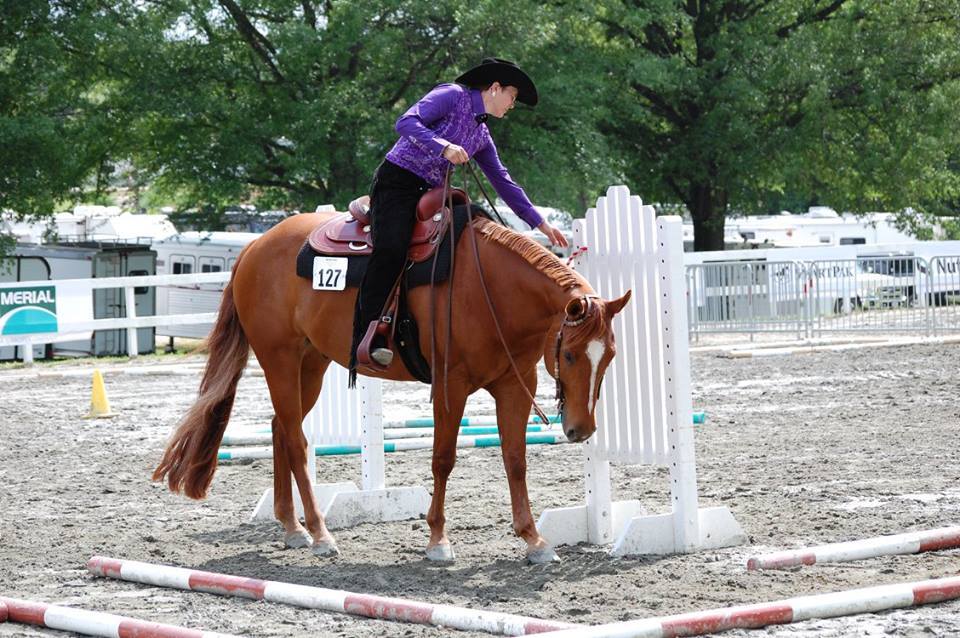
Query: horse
{"type": "Point", "coordinates": [542, 307]}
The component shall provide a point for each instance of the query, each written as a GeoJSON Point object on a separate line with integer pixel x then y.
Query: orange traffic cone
{"type": "Point", "coordinates": [99, 403]}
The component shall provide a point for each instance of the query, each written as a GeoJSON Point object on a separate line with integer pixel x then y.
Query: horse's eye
{"type": "Point", "coordinates": [568, 356]}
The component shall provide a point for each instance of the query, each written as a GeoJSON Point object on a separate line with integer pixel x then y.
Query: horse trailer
{"type": "Point", "coordinates": [41, 262]}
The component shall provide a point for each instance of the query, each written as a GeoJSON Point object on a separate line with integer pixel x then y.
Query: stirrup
{"type": "Point", "coordinates": [382, 356]}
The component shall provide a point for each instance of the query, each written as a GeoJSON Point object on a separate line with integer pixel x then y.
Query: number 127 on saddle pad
{"type": "Point", "coordinates": [329, 273]}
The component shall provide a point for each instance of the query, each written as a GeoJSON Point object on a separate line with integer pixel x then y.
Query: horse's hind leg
{"type": "Point", "coordinates": [312, 369]}
{"type": "Point", "coordinates": [294, 376]}
{"type": "Point", "coordinates": [513, 410]}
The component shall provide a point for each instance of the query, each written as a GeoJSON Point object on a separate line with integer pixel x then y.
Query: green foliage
{"type": "Point", "coordinates": [753, 105]}
{"type": "Point", "coordinates": [746, 106]}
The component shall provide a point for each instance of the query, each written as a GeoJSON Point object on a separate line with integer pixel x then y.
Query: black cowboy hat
{"type": "Point", "coordinates": [505, 72]}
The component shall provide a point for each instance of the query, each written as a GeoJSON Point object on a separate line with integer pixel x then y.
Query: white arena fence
{"type": "Point", "coordinates": [883, 293]}
{"type": "Point", "coordinates": [71, 302]}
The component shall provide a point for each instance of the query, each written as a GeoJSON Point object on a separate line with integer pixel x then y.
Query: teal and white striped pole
{"type": "Point", "coordinates": [418, 430]}
{"type": "Point", "coordinates": [545, 438]}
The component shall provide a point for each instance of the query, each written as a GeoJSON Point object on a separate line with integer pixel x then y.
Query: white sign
{"type": "Point", "coordinates": [329, 273]}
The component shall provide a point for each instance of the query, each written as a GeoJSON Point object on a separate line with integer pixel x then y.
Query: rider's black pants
{"type": "Point", "coordinates": [393, 208]}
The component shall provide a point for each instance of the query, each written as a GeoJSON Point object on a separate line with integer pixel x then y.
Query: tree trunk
{"type": "Point", "coordinates": [708, 208]}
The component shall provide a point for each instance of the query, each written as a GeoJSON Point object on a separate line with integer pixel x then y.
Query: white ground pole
{"type": "Point", "coordinates": [645, 411]}
{"type": "Point", "coordinates": [909, 543]}
{"type": "Point", "coordinates": [345, 416]}
{"type": "Point", "coordinates": [781, 612]}
{"type": "Point", "coordinates": [91, 623]}
{"type": "Point", "coordinates": [331, 600]}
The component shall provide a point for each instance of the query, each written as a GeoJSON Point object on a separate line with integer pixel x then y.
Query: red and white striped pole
{"type": "Point", "coordinates": [319, 598]}
{"type": "Point", "coordinates": [910, 543]}
{"type": "Point", "coordinates": [781, 612]}
{"type": "Point", "coordinates": [91, 623]}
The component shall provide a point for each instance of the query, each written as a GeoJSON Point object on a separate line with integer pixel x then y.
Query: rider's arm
{"type": "Point", "coordinates": [489, 161]}
{"type": "Point", "coordinates": [431, 108]}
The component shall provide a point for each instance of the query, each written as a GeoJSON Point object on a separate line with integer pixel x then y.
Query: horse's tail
{"type": "Point", "coordinates": [190, 458]}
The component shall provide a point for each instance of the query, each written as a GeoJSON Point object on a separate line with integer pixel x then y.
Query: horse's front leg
{"type": "Point", "coordinates": [446, 428]}
{"type": "Point", "coordinates": [513, 412]}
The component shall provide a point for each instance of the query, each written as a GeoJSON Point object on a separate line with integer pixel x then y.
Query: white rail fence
{"type": "Point", "coordinates": [74, 298]}
{"type": "Point", "coordinates": [880, 293]}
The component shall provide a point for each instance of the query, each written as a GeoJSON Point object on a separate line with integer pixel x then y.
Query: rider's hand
{"type": "Point", "coordinates": [455, 154]}
{"type": "Point", "coordinates": [554, 235]}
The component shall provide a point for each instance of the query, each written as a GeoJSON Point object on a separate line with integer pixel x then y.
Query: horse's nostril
{"type": "Point", "coordinates": [571, 434]}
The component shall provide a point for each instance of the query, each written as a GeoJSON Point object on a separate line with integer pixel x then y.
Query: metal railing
{"type": "Point", "coordinates": [884, 293]}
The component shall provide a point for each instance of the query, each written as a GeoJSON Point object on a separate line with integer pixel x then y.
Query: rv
{"type": "Point", "coordinates": [88, 224]}
{"type": "Point", "coordinates": [819, 226]}
{"type": "Point", "coordinates": [195, 252]}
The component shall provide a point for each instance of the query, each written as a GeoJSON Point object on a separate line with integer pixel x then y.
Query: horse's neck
{"type": "Point", "coordinates": [532, 288]}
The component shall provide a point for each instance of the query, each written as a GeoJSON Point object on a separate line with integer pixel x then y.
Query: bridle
{"type": "Point", "coordinates": [561, 399]}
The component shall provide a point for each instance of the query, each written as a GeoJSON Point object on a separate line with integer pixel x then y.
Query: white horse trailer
{"type": "Point", "coordinates": [33, 262]}
{"type": "Point", "coordinates": [195, 252]}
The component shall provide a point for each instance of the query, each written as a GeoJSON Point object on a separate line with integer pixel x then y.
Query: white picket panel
{"type": "Point", "coordinates": [352, 417]}
{"type": "Point", "coordinates": [644, 414]}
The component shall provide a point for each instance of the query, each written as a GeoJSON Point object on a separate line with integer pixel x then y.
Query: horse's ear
{"type": "Point", "coordinates": [616, 305]}
{"type": "Point", "coordinates": [576, 308]}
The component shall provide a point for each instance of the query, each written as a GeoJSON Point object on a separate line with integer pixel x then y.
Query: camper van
{"type": "Point", "coordinates": [819, 226]}
{"type": "Point", "coordinates": [88, 224]}
{"type": "Point", "coordinates": [194, 252]}
{"type": "Point", "coordinates": [30, 262]}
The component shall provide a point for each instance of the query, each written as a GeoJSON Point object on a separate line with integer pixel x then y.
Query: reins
{"type": "Point", "coordinates": [486, 295]}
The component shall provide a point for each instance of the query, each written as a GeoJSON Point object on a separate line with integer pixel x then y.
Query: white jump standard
{"type": "Point", "coordinates": [331, 600]}
{"type": "Point", "coordinates": [909, 543]}
{"type": "Point", "coordinates": [645, 412]}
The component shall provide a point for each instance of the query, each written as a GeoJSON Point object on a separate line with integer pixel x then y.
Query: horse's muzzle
{"type": "Point", "coordinates": [577, 435]}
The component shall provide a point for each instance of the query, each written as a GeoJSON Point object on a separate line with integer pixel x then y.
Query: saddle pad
{"type": "Point", "coordinates": [417, 275]}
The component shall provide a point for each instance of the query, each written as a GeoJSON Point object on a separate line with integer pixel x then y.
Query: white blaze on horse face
{"type": "Point", "coordinates": [595, 350]}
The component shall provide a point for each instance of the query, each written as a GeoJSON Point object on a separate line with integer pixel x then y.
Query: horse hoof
{"type": "Point", "coordinates": [296, 540]}
{"type": "Point", "coordinates": [542, 555]}
{"type": "Point", "coordinates": [325, 548]}
{"type": "Point", "coordinates": [442, 553]}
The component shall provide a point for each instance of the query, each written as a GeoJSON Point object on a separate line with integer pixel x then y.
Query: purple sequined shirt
{"type": "Point", "coordinates": [447, 115]}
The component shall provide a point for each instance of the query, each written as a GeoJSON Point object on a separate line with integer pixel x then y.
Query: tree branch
{"type": "Point", "coordinates": [809, 18]}
{"type": "Point", "coordinates": [412, 74]}
{"type": "Point", "coordinates": [309, 15]}
{"type": "Point", "coordinates": [660, 105]}
{"type": "Point", "coordinates": [261, 46]}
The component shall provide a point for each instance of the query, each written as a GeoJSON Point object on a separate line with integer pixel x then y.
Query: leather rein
{"type": "Point", "coordinates": [493, 313]}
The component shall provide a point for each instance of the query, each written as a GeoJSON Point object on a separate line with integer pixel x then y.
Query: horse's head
{"type": "Point", "coordinates": [579, 356]}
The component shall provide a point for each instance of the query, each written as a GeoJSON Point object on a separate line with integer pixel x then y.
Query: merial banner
{"type": "Point", "coordinates": [28, 309]}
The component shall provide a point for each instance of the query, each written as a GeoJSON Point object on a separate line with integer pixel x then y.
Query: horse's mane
{"type": "Point", "coordinates": [532, 252]}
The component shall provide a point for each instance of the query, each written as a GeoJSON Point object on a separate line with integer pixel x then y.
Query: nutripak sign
{"type": "Point", "coordinates": [28, 309]}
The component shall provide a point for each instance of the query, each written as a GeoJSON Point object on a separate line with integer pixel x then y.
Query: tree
{"type": "Point", "coordinates": [284, 103]}
{"type": "Point", "coordinates": [730, 105]}
{"type": "Point", "coordinates": [55, 128]}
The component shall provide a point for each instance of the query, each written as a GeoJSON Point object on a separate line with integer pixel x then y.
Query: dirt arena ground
{"type": "Point", "coordinates": [804, 449]}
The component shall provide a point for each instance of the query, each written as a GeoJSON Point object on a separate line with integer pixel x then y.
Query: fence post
{"type": "Point", "coordinates": [129, 294]}
{"type": "Point", "coordinates": [371, 423]}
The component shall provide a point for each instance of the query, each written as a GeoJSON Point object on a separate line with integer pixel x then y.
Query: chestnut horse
{"type": "Point", "coordinates": [543, 308]}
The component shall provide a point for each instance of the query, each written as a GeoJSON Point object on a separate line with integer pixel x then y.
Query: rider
{"type": "Point", "coordinates": [447, 126]}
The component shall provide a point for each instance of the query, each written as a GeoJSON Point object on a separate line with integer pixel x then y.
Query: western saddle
{"type": "Point", "coordinates": [348, 234]}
